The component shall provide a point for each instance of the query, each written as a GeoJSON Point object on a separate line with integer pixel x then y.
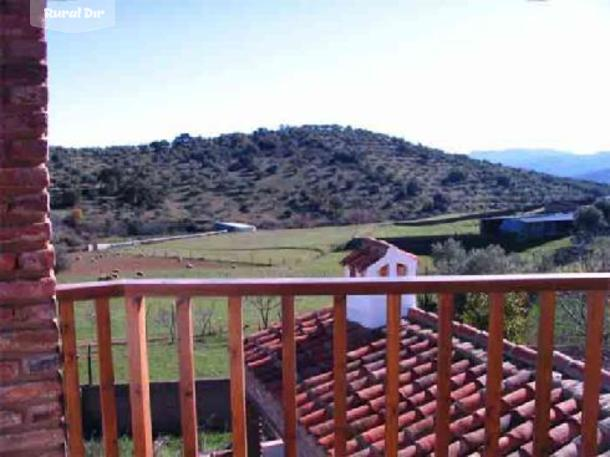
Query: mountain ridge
{"type": "Point", "coordinates": [559, 163]}
{"type": "Point", "coordinates": [291, 177]}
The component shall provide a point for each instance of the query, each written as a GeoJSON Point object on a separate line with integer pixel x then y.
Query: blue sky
{"type": "Point", "coordinates": [459, 75]}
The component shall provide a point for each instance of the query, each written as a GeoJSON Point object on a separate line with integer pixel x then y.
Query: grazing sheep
{"type": "Point", "coordinates": [189, 266]}
{"type": "Point", "coordinates": [139, 274]}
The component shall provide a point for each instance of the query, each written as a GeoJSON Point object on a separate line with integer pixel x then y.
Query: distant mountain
{"type": "Point", "coordinates": [291, 177]}
{"type": "Point", "coordinates": [602, 176]}
{"type": "Point", "coordinates": [558, 163]}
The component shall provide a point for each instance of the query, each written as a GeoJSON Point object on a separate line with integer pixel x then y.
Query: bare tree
{"type": "Point", "coordinates": [574, 307]}
{"type": "Point", "coordinates": [167, 318]}
{"type": "Point", "coordinates": [265, 306]}
{"type": "Point", "coordinates": [203, 317]}
{"type": "Point", "coordinates": [596, 258]}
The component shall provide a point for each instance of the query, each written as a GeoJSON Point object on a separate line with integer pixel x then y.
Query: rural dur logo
{"type": "Point", "coordinates": [73, 16]}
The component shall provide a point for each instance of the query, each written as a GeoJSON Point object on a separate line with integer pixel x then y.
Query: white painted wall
{"type": "Point", "coordinates": [370, 310]}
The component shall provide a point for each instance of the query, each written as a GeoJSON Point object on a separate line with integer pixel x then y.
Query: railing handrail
{"type": "Point", "coordinates": [596, 286]}
{"type": "Point", "coordinates": [335, 286]}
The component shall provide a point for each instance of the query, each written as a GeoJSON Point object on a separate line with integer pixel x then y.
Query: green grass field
{"type": "Point", "coordinates": [297, 252]}
{"type": "Point", "coordinates": [274, 253]}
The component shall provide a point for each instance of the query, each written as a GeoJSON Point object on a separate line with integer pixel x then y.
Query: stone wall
{"type": "Point", "coordinates": [30, 385]}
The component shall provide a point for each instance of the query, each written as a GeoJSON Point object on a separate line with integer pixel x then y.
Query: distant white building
{"type": "Point", "coordinates": [376, 258]}
{"type": "Point", "coordinates": [234, 227]}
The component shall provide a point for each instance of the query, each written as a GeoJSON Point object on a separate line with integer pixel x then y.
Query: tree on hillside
{"type": "Point", "coordinates": [589, 222]}
{"type": "Point", "coordinates": [603, 204]}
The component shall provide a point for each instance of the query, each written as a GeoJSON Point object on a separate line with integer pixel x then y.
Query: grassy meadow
{"type": "Point", "coordinates": [312, 252]}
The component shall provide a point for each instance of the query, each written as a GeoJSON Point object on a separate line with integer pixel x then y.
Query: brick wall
{"type": "Point", "coordinates": [30, 386]}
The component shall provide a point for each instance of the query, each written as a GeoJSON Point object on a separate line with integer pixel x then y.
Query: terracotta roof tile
{"type": "Point", "coordinates": [369, 251]}
{"type": "Point", "coordinates": [366, 373]}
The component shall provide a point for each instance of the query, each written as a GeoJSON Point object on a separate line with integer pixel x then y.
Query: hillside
{"type": "Point", "coordinates": [558, 163]}
{"type": "Point", "coordinates": [293, 177]}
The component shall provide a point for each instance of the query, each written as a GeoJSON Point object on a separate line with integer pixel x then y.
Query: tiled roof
{"type": "Point", "coordinates": [366, 397]}
{"type": "Point", "coordinates": [369, 251]}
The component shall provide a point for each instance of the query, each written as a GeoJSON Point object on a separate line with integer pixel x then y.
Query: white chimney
{"type": "Point", "coordinates": [374, 259]}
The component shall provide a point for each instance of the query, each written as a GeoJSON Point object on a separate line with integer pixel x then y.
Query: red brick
{"type": "Point", "coordinates": [10, 419]}
{"type": "Point", "coordinates": [43, 413]}
{"type": "Point", "coordinates": [20, 153]}
{"type": "Point", "coordinates": [23, 246]}
{"type": "Point", "coordinates": [57, 453]}
{"type": "Point", "coordinates": [29, 95]}
{"type": "Point", "coordinates": [25, 178]}
{"type": "Point", "coordinates": [8, 261]}
{"type": "Point", "coordinates": [29, 338]}
{"type": "Point", "coordinates": [37, 261]}
{"type": "Point", "coordinates": [20, 218]}
{"type": "Point", "coordinates": [18, 25]}
{"type": "Point", "coordinates": [7, 314]}
{"type": "Point", "coordinates": [34, 49]}
{"type": "Point", "coordinates": [28, 341]}
{"type": "Point", "coordinates": [24, 123]}
{"type": "Point", "coordinates": [9, 371]}
{"type": "Point", "coordinates": [31, 202]}
{"type": "Point", "coordinates": [32, 440]}
{"type": "Point", "coordinates": [32, 237]}
{"type": "Point", "coordinates": [41, 364]}
{"type": "Point", "coordinates": [27, 316]}
{"type": "Point", "coordinates": [14, 7]}
{"type": "Point", "coordinates": [31, 72]}
{"type": "Point", "coordinates": [19, 210]}
{"type": "Point", "coordinates": [38, 232]}
{"type": "Point", "coordinates": [42, 391]}
{"type": "Point", "coordinates": [30, 290]}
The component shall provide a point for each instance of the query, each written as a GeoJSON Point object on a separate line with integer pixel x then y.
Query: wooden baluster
{"type": "Point", "coordinates": [188, 408]}
{"type": "Point", "coordinates": [443, 377]}
{"type": "Point", "coordinates": [74, 420]}
{"type": "Point", "coordinates": [493, 388]}
{"type": "Point", "coordinates": [139, 382]}
{"type": "Point", "coordinates": [392, 394]}
{"type": "Point", "coordinates": [238, 392]}
{"type": "Point", "coordinates": [339, 375]}
{"type": "Point", "coordinates": [289, 377]}
{"type": "Point", "coordinates": [107, 394]}
{"type": "Point", "coordinates": [596, 302]}
{"type": "Point", "coordinates": [544, 374]}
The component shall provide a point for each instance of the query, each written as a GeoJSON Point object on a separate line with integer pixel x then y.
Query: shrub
{"type": "Point", "coordinates": [451, 258]}
{"type": "Point", "coordinates": [441, 201]}
{"type": "Point", "coordinates": [413, 188]}
{"type": "Point", "coordinates": [603, 204]}
{"type": "Point", "coordinates": [589, 221]}
{"type": "Point", "coordinates": [455, 177]}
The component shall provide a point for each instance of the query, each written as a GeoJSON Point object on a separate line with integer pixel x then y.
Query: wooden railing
{"type": "Point", "coordinates": [595, 285]}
